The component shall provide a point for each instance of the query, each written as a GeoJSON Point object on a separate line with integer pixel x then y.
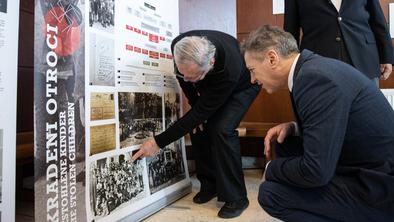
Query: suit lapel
{"type": "Point", "coordinates": [304, 56]}
{"type": "Point", "coordinates": [341, 6]}
{"type": "Point", "coordinates": [332, 6]}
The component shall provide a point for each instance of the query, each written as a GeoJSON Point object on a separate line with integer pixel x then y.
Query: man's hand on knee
{"type": "Point", "coordinates": [278, 133]}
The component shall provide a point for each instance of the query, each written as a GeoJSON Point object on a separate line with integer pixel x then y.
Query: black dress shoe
{"type": "Point", "coordinates": [233, 209]}
{"type": "Point", "coordinates": [203, 197]}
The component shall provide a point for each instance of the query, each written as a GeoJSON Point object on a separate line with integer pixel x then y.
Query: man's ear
{"type": "Point", "coordinates": [273, 57]}
{"type": "Point", "coordinates": [212, 61]}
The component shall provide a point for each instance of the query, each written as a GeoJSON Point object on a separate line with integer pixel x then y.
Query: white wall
{"type": "Point", "coordinates": [218, 15]}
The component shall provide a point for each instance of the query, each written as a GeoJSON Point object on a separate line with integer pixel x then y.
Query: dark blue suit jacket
{"type": "Point", "coordinates": [347, 131]}
{"type": "Point", "coordinates": [359, 23]}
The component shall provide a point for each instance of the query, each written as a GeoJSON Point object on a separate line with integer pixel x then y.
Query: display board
{"type": "Point", "coordinates": [391, 19]}
{"type": "Point", "coordinates": [278, 7]}
{"type": "Point", "coordinates": [9, 24]}
{"type": "Point", "coordinates": [104, 84]}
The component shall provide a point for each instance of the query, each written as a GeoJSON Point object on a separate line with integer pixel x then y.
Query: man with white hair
{"type": "Point", "coordinates": [212, 73]}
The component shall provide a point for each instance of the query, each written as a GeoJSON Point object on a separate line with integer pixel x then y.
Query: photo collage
{"type": "Point", "coordinates": [130, 97]}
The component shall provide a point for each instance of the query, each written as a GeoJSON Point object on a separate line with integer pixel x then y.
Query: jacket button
{"type": "Point", "coordinates": [338, 39]}
{"type": "Point", "coordinates": [339, 19]}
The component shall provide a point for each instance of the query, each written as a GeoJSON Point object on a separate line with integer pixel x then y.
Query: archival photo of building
{"type": "Point", "coordinates": [166, 168]}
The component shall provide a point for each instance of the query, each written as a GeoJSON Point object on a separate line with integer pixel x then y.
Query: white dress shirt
{"type": "Point", "coordinates": [337, 4]}
{"type": "Point", "coordinates": [291, 73]}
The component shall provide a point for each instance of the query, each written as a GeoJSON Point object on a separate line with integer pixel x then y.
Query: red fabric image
{"type": "Point", "coordinates": [69, 33]}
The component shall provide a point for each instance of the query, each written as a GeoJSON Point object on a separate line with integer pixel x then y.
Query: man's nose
{"type": "Point", "coordinates": [252, 79]}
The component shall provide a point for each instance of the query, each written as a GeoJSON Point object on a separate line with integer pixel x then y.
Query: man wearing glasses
{"type": "Point", "coordinates": [212, 74]}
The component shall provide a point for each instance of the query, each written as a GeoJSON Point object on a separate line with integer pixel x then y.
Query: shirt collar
{"type": "Point", "coordinates": [337, 4]}
{"type": "Point", "coordinates": [291, 73]}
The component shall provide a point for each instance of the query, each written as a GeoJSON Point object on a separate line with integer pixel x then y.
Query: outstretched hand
{"type": "Point", "coordinates": [148, 148]}
{"type": "Point", "coordinates": [278, 133]}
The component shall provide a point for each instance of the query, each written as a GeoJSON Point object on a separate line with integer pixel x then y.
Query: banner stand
{"type": "Point", "coordinates": [9, 26]}
{"type": "Point", "coordinates": [158, 205]}
{"type": "Point", "coordinates": [104, 83]}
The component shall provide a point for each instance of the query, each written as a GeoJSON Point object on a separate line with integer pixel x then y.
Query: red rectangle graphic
{"type": "Point", "coordinates": [137, 30]}
{"type": "Point", "coordinates": [137, 49]}
{"type": "Point", "coordinates": [129, 27]}
{"type": "Point", "coordinates": [153, 38]}
{"type": "Point", "coordinates": [129, 47]}
{"type": "Point", "coordinates": [153, 55]}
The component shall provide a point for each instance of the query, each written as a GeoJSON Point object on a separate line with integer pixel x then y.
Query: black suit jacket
{"type": "Point", "coordinates": [347, 132]}
{"type": "Point", "coordinates": [228, 76]}
{"type": "Point", "coordinates": [359, 26]}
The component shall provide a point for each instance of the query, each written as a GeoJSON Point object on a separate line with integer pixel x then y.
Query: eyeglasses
{"type": "Point", "coordinates": [201, 75]}
{"type": "Point", "coordinates": [179, 75]}
{"type": "Point", "coordinates": [197, 77]}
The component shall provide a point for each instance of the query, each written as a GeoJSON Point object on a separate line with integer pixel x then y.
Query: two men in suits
{"type": "Point", "coordinates": [353, 31]}
{"type": "Point", "coordinates": [337, 162]}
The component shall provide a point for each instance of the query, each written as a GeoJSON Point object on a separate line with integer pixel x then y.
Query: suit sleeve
{"type": "Point", "coordinates": [291, 19]}
{"type": "Point", "coordinates": [215, 95]}
{"type": "Point", "coordinates": [378, 25]}
{"type": "Point", "coordinates": [323, 111]}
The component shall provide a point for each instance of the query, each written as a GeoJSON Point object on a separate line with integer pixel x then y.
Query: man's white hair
{"type": "Point", "coordinates": [195, 49]}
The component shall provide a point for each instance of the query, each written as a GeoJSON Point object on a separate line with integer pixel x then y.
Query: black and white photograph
{"type": "Point", "coordinates": [172, 107]}
{"type": "Point", "coordinates": [3, 6]}
{"type": "Point", "coordinates": [140, 117]}
{"type": "Point", "coordinates": [102, 61]}
{"type": "Point", "coordinates": [166, 168]}
{"type": "Point", "coordinates": [102, 15]}
{"type": "Point", "coordinates": [115, 182]}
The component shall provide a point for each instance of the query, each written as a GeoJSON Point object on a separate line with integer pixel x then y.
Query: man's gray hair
{"type": "Point", "coordinates": [195, 49]}
{"type": "Point", "coordinates": [270, 37]}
